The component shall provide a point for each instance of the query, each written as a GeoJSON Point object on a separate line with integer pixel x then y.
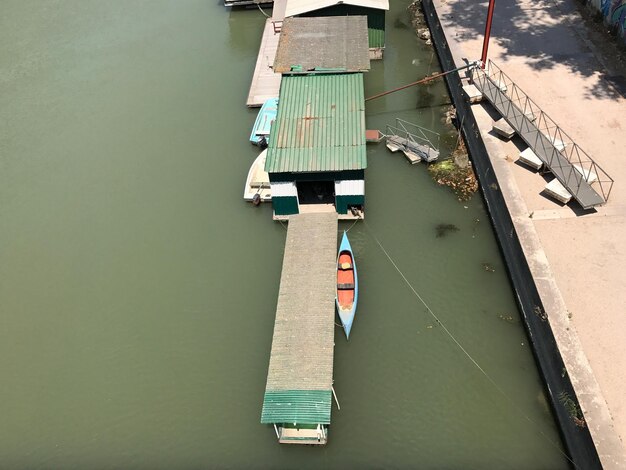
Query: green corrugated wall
{"type": "Point", "coordinates": [285, 205]}
{"type": "Point", "coordinates": [342, 202]}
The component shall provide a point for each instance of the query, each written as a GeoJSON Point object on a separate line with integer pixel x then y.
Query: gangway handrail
{"type": "Point", "coordinates": [406, 125]}
{"type": "Point", "coordinates": [401, 129]}
{"type": "Point", "coordinates": [556, 144]}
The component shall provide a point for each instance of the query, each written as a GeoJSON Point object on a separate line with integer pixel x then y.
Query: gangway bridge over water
{"type": "Point", "coordinates": [417, 143]}
{"type": "Point", "coordinates": [579, 174]}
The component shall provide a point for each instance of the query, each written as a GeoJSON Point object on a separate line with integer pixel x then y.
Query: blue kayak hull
{"type": "Point", "coordinates": [347, 315]}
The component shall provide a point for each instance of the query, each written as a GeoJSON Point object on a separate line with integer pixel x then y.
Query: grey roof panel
{"type": "Point", "coordinates": [329, 42]}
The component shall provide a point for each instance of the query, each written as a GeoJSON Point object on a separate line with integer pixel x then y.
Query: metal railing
{"type": "Point", "coordinates": [541, 132]}
{"type": "Point", "coordinates": [416, 135]}
{"type": "Point", "coordinates": [278, 26]}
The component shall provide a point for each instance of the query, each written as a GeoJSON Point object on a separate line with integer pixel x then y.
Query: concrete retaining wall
{"type": "Point", "coordinates": [577, 439]}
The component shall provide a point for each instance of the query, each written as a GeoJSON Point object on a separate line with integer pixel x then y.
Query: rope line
{"type": "Point", "coordinates": [353, 224]}
{"type": "Point", "coordinates": [460, 346]}
{"type": "Point", "coordinates": [261, 10]}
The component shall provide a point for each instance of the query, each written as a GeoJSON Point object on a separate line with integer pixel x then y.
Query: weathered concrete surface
{"type": "Point", "coordinates": [577, 258]}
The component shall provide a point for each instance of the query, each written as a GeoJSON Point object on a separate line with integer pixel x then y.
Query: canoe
{"type": "Point", "coordinates": [257, 186]}
{"type": "Point", "coordinates": [263, 123]}
{"type": "Point", "coordinates": [347, 285]}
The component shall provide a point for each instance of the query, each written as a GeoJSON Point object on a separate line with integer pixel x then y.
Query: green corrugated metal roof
{"type": "Point", "coordinates": [320, 125]}
{"type": "Point", "coordinates": [296, 406]}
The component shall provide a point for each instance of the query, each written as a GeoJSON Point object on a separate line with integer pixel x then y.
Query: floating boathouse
{"type": "Point", "coordinates": [316, 159]}
{"type": "Point", "coordinates": [316, 163]}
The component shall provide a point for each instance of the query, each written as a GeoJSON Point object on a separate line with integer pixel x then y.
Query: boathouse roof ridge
{"type": "Point", "coordinates": [337, 43]}
{"type": "Point", "coordinates": [320, 125]}
{"type": "Point", "coordinates": [298, 7]}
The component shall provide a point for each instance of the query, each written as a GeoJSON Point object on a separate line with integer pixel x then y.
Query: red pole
{"type": "Point", "coordinates": [483, 59]}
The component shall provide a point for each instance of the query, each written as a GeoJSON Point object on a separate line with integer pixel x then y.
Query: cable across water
{"type": "Point", "coordinates": [460, 346]}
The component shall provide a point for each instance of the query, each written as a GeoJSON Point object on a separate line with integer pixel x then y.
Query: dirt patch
{"type": "Point", "coordinates": [419, 22]}
{"type": "Point", "coordinates": [457, 173]}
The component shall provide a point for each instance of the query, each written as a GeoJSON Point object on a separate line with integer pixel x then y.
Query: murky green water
{"type": "Point", "coordinates": [137, 289]}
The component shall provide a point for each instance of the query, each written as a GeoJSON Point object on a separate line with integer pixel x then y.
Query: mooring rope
{"type": "Point", "coordinates": [460, 346]}
{"type": "Point", "coordinates": [408, 283]}
{"type": "Point", "coordinates": [261, 10]}
{"type": "Point", "coordinates": [350, 228]}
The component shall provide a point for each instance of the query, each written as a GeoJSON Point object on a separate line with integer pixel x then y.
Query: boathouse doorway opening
{"type": "Point", "coordinates": [316, 192]}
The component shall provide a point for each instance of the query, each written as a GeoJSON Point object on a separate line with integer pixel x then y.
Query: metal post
{"type": "Point", "coordinates": [483, 59]}
{"type": "Point", "coordinates": [335, 395]}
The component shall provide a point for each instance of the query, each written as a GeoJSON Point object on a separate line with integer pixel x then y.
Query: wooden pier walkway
{"type": "Point", "coordinates": [265, 83]}
{"type": "Point", "coordinates": [298, 393]}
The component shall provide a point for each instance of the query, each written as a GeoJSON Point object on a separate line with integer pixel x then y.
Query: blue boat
{"type": "Point", "coordinates": [347, 285]}
{"type": "Point", "coordinates": [260, 134]}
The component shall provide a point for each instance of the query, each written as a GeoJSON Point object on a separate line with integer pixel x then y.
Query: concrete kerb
{"type": "Point", "coordinates": [593, 405]}
{"type": "Point", "coordinates": [587, 389]}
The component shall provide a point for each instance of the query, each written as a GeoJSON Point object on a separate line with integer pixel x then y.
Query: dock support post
{"type": "Point", "coordinates": [483, 58]}
{"type": "Point", "coordinates": [335, 395]}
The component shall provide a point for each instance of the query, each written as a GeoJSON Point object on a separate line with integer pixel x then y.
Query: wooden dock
{"type": "Point", "coordinates": [265, 83]}
{"type": "Point", "coordinates": [298, 393]}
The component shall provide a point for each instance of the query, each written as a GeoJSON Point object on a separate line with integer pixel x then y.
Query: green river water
{"type": "Point", "coordinates": [138, 290]}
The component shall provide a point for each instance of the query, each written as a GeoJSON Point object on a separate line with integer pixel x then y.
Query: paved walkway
{"type": "Point", "coordinates": [578, 258]}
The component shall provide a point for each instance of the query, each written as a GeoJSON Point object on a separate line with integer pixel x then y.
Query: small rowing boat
{"type": "Point", "coordinates": [347, 285]}
{"type": "Point", "coordinates": [260, 134]}
{"type": "Point", "coordinates": [257, 188]}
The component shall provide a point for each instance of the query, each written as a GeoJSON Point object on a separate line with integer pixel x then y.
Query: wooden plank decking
{"type": "Point", "coordinates": [304, 329]}
{"type": "Point", "coordinates": [265, 83]}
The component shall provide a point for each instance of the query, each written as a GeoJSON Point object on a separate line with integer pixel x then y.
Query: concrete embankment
{"type": "Point", "coordinates": [590, 439]}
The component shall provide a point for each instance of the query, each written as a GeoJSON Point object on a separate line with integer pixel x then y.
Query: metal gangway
{"type": "Point", "coordinates": [585, 180]}
{"type": "Point", "coordinates": [416, 142]}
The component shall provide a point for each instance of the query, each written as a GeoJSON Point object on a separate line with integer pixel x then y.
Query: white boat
{"type": "Point", "coordinates": [257, 188]}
